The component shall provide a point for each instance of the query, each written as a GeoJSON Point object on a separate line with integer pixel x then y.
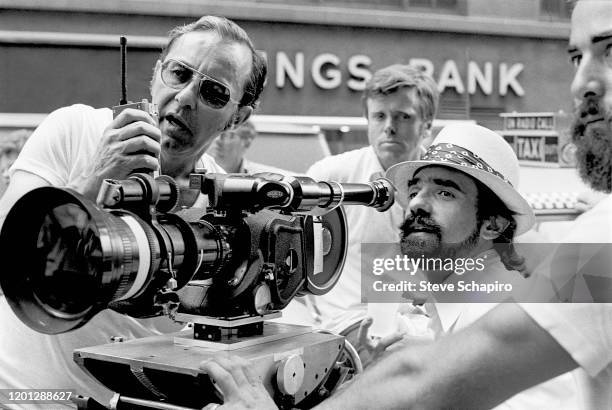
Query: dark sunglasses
{"type": "Point", "coordinates": [178, 75]}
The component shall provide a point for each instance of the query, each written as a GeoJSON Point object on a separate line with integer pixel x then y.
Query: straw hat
{"type": "Point", "coordinates": [478, 152]}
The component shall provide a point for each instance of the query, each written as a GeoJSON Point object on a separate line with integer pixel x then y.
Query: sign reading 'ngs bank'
{"type": "Point", "coordinates": [329, 72]}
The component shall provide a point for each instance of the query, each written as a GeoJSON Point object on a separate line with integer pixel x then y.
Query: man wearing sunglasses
{"type": "Point", "coordinates": [208, 79]}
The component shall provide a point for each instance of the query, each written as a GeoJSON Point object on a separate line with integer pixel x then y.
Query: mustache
{"type": "Point", "coordinates": [589, 108]}
{"type": "Point", "coordinates": [583, 113]}
{"type": "Point", "coordinates": [580, 121]}
{"type": "Point", "coordinates": [419, 223]}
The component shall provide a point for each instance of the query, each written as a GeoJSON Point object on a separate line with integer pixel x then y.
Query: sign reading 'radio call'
{"type": "Point", "coordinates": [535, 122]}
{"type": "Point", "coordinates": [539, 138]}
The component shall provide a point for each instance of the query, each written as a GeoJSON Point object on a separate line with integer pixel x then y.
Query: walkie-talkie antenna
{"type": "Point", "coordinates": [123, 43]}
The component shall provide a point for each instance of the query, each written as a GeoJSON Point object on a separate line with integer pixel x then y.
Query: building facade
{"type": "Point", "coordinates": [487, 56]}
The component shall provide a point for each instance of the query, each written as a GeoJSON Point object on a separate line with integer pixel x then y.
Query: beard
{"type": "Point", "coordinates": [432, 246]}
{"type": "Point", "coordinates": [593, 150]}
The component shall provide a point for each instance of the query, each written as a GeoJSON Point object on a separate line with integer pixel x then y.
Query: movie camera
{"type": "Point", "coordinates": [225, 269]}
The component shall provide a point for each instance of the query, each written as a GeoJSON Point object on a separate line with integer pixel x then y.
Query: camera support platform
{"type": "Point", "coordinates": [235, 332]}
{"type": "Point", "coordinates": [298, 367]}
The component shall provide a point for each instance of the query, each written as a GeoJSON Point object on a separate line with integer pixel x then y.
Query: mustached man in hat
{"type": "Point", "coordinates": [462, 204]}
{"type": "Point", "coordinates": [461, 199]}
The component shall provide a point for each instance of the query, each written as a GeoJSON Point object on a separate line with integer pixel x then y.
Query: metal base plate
{"type": "Point", "coordinates": [271, 332]}
{"type": "Point", "coordinates": [225, 322]}
{"type": "Point", "coordinates": [172, 369]}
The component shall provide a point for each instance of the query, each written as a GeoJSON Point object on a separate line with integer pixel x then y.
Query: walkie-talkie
{"type": "Point", "coordinates": [143, 105]}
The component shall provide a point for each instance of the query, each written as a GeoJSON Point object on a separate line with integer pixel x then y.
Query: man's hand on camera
{"type": "Point", "coordinates": [130, 142]}
{"type": "Point", "coordinates": [241, 388]}
{"type": "Point", "coordinates": [375, 346]}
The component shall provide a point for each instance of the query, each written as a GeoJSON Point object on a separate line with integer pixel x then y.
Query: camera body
{"type": "Point", "coordinates": [235, 258]}
{"type": "Point", "coordinates": [260, 242]}
{"type": "Point", "coordinates": [226, 269]}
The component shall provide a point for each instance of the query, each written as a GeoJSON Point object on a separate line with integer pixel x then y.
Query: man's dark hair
{"type": "Point", "coordinates": [230, 32]}
{"type": "Point", "coordinates": [490, 206]}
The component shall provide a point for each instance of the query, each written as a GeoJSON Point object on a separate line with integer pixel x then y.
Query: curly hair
{"type": "Point", "coordinates": [489, 206]}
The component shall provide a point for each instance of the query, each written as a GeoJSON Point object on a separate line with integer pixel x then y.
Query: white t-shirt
{"type": "Point", "coordinates": [342, 306]}
{"type": "Point", "coordinates": [63, 145]}
{"type": "Point", "coordinates": [559, 393]}
{"type": "Point", "coordinates": [59, 151]}
{"type": "Point", "coordinates": [584, 330]}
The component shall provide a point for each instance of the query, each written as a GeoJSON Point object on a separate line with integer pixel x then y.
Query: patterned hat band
{"type": "Point", "coordinates": [455, 154]}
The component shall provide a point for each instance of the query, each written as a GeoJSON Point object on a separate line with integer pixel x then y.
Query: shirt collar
{"type": "Point", "coordinates": [449, 313]}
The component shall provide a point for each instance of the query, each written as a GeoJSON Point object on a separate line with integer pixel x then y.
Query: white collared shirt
{"type": "Point", "coordinates": [584, 330]}
{"type": "Point", "coordinates": [560, 393]}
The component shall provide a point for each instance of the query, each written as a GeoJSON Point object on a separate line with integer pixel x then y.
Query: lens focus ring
{"type": "Point", "coordinates": [125, 256]}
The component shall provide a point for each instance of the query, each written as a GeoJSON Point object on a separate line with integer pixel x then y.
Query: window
{"type": "Point", "coordinates": [421, 3]}
{"type": "Point", "coordinates": [354, 4]}
{"type": "Point", "coordinates": [434, 4]}
{"type": "Point", "coordinates": [488, 116]}
{"type": "Point", "coordinates": [555, 10]}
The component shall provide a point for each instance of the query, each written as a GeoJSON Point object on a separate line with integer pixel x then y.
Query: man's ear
{"type": "Point", "coordinates": [240, 116]}
{"type": "Point", "coordinates": [426, 130]}
{"type": "Point", "coordinates": [243, 114]}
{"type": "Point", "coordinates": [426, 137]}
{"type": "Point", "coordinates": [247, 142]}
{"type": "Point", "coordinates": [493, 226]}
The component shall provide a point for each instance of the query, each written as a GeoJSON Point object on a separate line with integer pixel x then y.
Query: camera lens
{"type": "Point", "coordinates": [66, 259]}
{"type": "Point", "coordinates": [69, 254]}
